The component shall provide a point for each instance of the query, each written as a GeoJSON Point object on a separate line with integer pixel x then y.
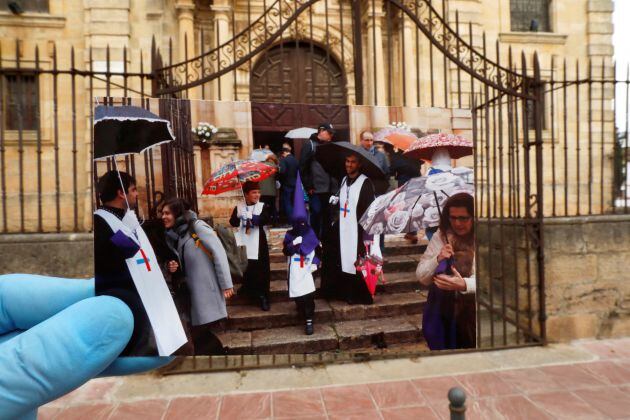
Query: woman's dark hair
{"type": "Point", "coordinates": [177, 206]}
{"type": "Point", "coordinates": [109, 185]}
{"type": "Point", "coordinates": [457, 200]}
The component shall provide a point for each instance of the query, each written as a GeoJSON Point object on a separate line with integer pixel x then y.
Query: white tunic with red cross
{"type": "Point", "coordinates": [149, 281]}
{"type": "Point", "coordinates": [301, 270]}
{"type": "Point", "coordinates": [348, 223]}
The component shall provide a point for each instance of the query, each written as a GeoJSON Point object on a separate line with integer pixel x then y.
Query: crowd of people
{"type": "Point", "coordinates": [325, 235]}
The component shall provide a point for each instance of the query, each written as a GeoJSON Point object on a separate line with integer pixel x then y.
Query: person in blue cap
{"type": "Point", "coordinates": [301, 246]}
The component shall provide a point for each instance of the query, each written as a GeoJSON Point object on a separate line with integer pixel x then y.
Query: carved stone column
{"type": "Point", "coordinates": [186, 36]}
{"type": "Point", "coordinates": [411, 86]}
{"type": "Point", "coordinates": [222, 11]}
{"type": "Point", "coordinates": [375, 85]}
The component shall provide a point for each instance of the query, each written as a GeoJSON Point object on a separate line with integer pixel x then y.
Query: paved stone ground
{"type": "Point", "coordinates": [586, 380]}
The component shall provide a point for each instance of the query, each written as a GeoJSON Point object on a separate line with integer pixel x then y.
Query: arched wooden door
{"type": "Point", "coordinates": [298, 72]}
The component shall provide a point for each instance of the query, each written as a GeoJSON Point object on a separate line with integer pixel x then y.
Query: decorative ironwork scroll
{"type": "Point", "coordinates": [231, 54]}
{"type": "Point", "coordinates": [460, 51]}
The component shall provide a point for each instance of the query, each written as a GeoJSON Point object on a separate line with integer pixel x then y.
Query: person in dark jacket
{"type": "Point", "coordinates": [112, 277]}
{"type": "Point", "coordinates": [317, 182]}
{"type": "Point", "coordinates": [287, 174]}
{"type": "Point", "coordinates": [366, 138]}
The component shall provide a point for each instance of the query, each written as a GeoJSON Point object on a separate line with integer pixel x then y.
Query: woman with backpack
{"type": "Point", "coordinates": [204, 263]}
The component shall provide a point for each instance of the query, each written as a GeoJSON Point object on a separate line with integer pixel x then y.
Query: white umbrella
{"type": "Point", "coordinates": [300, 133]}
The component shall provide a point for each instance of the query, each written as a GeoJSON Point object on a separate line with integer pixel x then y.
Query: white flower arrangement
{"type": "Point", "coordinates": [204, 131]}
{"type": "Point", "coordinates": [399, 124]}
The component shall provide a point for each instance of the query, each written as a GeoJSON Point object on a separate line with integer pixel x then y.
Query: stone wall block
{"type": "Point", "coordinates": [461, 113]}
{"type": "Point", "coordinates": [600, 27]}
{"type": "Point", "coordinates": [607, 237]}
{"type": "Point", "coordinates": [564, 269]}
{"type": "Point", "coordinates": [462, 123]}
{"type": "Point", "coordinates": [108, 4]}
{"type": "Point", "coordinates": [109, 15]}
{"type": "Point", "coordinates": [600, 49]}
{"type": "Point", "coordinates": [614, 267]}
{"type": "Point", "coordinates": [106, 28]}
{"type": "Point", "coordinates": [600, 6]}
{"type": "Point", "coordinates": [559, 239]}
{"type": "Point", "coordinates": [565, 328]}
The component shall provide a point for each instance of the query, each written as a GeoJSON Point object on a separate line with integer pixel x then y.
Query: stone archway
{"type": "Point", "coordinates": [298, 72]}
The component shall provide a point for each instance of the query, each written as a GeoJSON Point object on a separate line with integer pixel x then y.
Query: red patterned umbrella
{"type": "Point", "coordinates": [232, 175]}
{"type": "Point", "coordinates": [424, 147]}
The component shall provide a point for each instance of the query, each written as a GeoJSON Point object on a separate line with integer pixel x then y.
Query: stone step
{"type": "Point", "coordinates": [329, 336]}
{"type": "Point", "coordinates": [283, 314]}
{"type": "Point", "coordinates": [395, 282]}
{"type": "Point", "coordinates": [391, 249]}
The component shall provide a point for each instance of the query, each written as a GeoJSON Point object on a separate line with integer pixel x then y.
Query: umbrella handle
{"type": "Point", "coordinates": [121, 182]}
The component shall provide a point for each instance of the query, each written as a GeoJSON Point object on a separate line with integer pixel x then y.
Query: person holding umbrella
{"type": "Point", "coordinates": [447, 267]}
{"type": "Point", "coordinates": [112, 249]}
{"type": "Point", "coordinates": [126, 266]}
{"type": "Point", "coordinates": [317, 181]}
{"type": "Point", "coordinates": [348, 240]}
{"type": "Point", "coordinates": [250, 217]}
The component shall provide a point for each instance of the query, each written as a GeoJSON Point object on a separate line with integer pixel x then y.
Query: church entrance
{"type": "Point", "coordinates": [296, 84]}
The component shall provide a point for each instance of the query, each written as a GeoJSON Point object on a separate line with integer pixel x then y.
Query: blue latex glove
{"type": "Point", "coordinates": [55, 335]}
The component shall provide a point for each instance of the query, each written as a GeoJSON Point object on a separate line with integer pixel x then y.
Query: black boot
{"type": "Point", "coordinates": [264, 303]}
{"type": "Point", "coordinates": [308, 328]}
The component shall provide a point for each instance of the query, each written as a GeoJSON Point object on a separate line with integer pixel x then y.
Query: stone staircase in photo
{"type": "Point", "coordinates": [393, 320]}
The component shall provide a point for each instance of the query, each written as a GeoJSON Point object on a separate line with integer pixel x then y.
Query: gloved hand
{"type": "Point", "coordinates": [55, 335]}
{"type": "Point", "coordinates": [334, 200]}
{"type": "Point", "coordinates": [297, 240]}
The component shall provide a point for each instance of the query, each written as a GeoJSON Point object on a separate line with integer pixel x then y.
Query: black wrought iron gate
{"type": "Point", "coordinates": [454, 70]}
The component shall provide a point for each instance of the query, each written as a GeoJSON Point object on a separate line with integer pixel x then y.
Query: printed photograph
{"type": "Point", "coordinates": [230, 228]}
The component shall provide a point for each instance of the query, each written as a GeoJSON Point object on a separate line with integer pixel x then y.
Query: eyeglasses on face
{"type": "Point", "coordinates": [460, 218]}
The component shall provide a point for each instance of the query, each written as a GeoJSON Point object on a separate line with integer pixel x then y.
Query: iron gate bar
{"type": "Point", "coordinates": [357, 42]}
{"type": "Point", "coordinates": [39, 147]}
{"type": "Point", "coordinates": [538, 118]}
{"type": "Point", "coordinates": [5, 227]}
{"type": "Point", "coordinates": [553, 139]}
{"type": "Point", "coordinates": [590, 138]}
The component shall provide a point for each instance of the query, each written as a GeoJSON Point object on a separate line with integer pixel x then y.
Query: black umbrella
{"type": "Point", "coordinates": [120, 130]}
{"type": "Point", "coordinates": [332, 157]}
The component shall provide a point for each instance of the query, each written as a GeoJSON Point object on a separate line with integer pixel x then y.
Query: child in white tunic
{"type": "Point", "coordinates": [301, 246]}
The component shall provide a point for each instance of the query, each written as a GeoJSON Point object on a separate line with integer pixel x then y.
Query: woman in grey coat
{"type": "Point", "coordinates": [205, 266]}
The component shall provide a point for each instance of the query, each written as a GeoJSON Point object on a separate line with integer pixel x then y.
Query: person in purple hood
{"type": "Point", "coordinates": [301, 246]}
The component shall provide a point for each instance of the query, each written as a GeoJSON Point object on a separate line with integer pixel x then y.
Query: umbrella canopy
{"type": "Point", "coordinates": [300, 133]}
{"type": "Point", "coordinates": [332, 157]}
{"type": "Point", "coordinates": [424, 147]}
{"type": "Point", "coordinates": [397, 137]}
{"type": "Point", "coordinates": [260, 155]}
{"type": "Point", "coordinates": [232, 175]}
{"type": "Point", "coordinates": [412, 206]}
{"type": "Point", "coordinates": [121, 130]}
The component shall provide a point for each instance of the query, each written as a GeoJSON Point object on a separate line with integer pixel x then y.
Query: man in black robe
{"type": "Point", "coordinates": [251, 217]}
{"type": "Point", "coordinates": [344, 241]}
{"type": "Point", "coordinates": [111, 250]}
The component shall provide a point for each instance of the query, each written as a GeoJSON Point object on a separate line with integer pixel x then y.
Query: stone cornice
{"type": "Point", "coordinates": [32, 20]}
{"type": "Point", "coordinates": [533, 38]}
